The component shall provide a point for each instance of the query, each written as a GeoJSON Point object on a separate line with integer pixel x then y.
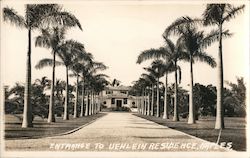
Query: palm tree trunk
{"type": "Point", "coordinates": [92, 101]}
{"type": "Point", "coordinates": [158, 100]}
{"type": "Point", "coordinates": [137, 104]}
{"type": "Point", "coordinates": [27, 110]}
{"type": "Point", "coordinates": [87, 104]}
{"type": "Point", "coordinates": [90, 104]}
{"type": "Point", "coordinates": [76, 100]}
{"type": "Point", "coordinates": [191, 116]}
{"type": "Point", "coordinates": [148, 111]}
{"type": "Point", "coordinates": [83, 96]}
{"type": "Point", "coordinates": [142, 103]}
{"type": "Point", "coordinates": [176, 115]}
{"type": "Point", "coordinates": [219, 123]}
{"type": "Point", "coordinates": [145, 103]}
{"type": "Point", "coordinates": [66, 114]}
{"type": "Point", "coordinates": [51, 116]}
{"type": "Point", "coordinates": [152, 103]}
{"type": "Point", "coordinates": [165, 115]}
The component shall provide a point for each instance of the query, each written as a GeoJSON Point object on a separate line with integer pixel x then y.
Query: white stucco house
{"type": "Point", "coordinates": [117, 96]}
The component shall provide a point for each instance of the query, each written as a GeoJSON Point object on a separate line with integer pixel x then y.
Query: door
{"type": "Point", "coordinates": [118, 103]}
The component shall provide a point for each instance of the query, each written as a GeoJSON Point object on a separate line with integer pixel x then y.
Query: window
{"type": "Point", "coordinates": [109, 92]}
{"type": "Point", "coordinates": [113, 101]}
{"type": "Point", "coordinates": [125, 100]}
{"type": "Point", "coordinates": [124, 92]}
{"type": "Point", "coordinates": [104, 102]}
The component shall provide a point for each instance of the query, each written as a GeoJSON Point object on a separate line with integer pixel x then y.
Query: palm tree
{"type": "Point", "coordinates": [59, 88]}
{"type": "Point", "coordinates": [157, 69]}
{"type": "Point", "coordinates": [152, 79]}
{"type": "Point", "coordinates": [53, 38]}
{"type": "Point", "coordinates": [194, 44]}
{"type": "Point", "coordinates": [35, 16]}
{"type": "Point", "coordinates": [69, 52]}
{"type": "Point", "coordinates": [171, 54]}
{"type": "Point", "coordinates": [217, 14]}
{"type": "Point", "coordinates": [89, 74]}
{"type": "Point", "coordinates": [141, 86]}
{"type": "Point", "coordinates": [99, 81]}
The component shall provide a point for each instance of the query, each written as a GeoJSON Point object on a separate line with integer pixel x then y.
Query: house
{"type": "Point", "coordinates": [116, 97]}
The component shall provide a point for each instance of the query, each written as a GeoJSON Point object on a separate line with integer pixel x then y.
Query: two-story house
{"type": "Point", "coordinates": [117, 96]}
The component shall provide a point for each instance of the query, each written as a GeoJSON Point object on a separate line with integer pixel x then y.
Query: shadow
{"type": "Point", "coordinates": [147, 128]}
{"type": "Point", "coordinates": [168, 137]}
{"type": "Point", "coordinates": [143, 123]}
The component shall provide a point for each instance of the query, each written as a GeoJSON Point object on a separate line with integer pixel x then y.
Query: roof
{"type": "Point", "coordinates": [118, 88]}
{"type": "Point", "coordinates": [118, 96]}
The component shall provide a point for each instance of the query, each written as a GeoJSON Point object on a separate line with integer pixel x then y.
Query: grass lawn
{"type": "Point", "coordinates": [41, 128]}
{"type": "Point", "coordinates": [234, 132]}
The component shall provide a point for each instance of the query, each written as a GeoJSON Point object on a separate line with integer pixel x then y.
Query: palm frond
{"type": "Point", "coordinates": [149, 77]}
{"type": "Point", "coordinates": [214, 36]}
{"type": "Point", "coordinates": [178, 25]}
{"type": "Point", "coordinates": [43, 41]}
{"type": "Point", "coordinates": [46, 62]}
{"type": "Point", "coordinates": [169, 44]}
{"type": "Point", "coordinates": [37, 13]}
{"type": "Point", "coordinates": [151, 54]}
{"type": "Point", "coordinates": [64, 18]}
{"type": "Point", "coordinates": [101, 76]}
{"type": "Point", "coordinates": [204, 57]}
{"type": "Point", "coordinates": [213, 14]}
{"type": "Point", "coordinates": [233, 11]}
{"type": "Point", "coordinates": [10, 15]}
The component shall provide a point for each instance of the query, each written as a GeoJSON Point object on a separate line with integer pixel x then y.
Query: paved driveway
{"type": "Point", "coordinates": [117, 132]}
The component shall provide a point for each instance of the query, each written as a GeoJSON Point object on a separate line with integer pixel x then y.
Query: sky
{"type": "Point", "coordinates": [116, 32]}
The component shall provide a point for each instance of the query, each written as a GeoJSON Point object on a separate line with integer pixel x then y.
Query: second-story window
{"type": "Point", "coordinates": [124, 92]}
{"type": "Point", "coordinates": [109, 92]}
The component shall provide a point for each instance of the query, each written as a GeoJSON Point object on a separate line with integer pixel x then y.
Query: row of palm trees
{"type": "Point", "coordinates": [190, 46]}
{"type": "Point", "coordinates": [53, 22]}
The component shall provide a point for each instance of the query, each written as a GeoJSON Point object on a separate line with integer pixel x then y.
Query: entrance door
{"type": "Point", "coordinates": [118, 103]}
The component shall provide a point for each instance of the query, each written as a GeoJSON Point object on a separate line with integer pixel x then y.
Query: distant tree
{"type": "Point", "coordinates": [204, 99]}
{"type": "Point", "coordinates": [115, 82]}
{"type": "Point", "coordinates": [235, 98]}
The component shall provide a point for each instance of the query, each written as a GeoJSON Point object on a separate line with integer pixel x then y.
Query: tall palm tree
{"type": "Point", "coordinates": [84, 68]}
{"type": "Point", "coordinates": [194, 42]}
{"type": "Point", "coordinates": [152, 79]}
{"type": "Point", "coordinates": [53, 38]}
{"type": "Point", "coordinates": [142, 85]}
{"type": "Point", "coordinates": [89, 73]}
{"type": "Point", "coordinates": [35, 16]}
{"type": "Point", "coordinates": [76, 69]}
{"type": "Point", "coordinates": [69, 53]}
{"type": "Point", "coordinates": [99, 81]}
{"type": "Point", "coordinates": [218, 14]}
{"type": "Point", "coordinates": [171, 54]}
{"type": "Point", "coordinates": [157, 69]}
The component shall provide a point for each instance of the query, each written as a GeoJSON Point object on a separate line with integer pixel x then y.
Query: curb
{"type": "Point", "coordinates": [65, 133]}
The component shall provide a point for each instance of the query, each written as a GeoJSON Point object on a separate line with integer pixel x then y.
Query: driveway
{"type": "Point", "coordinates": [117, 132]}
